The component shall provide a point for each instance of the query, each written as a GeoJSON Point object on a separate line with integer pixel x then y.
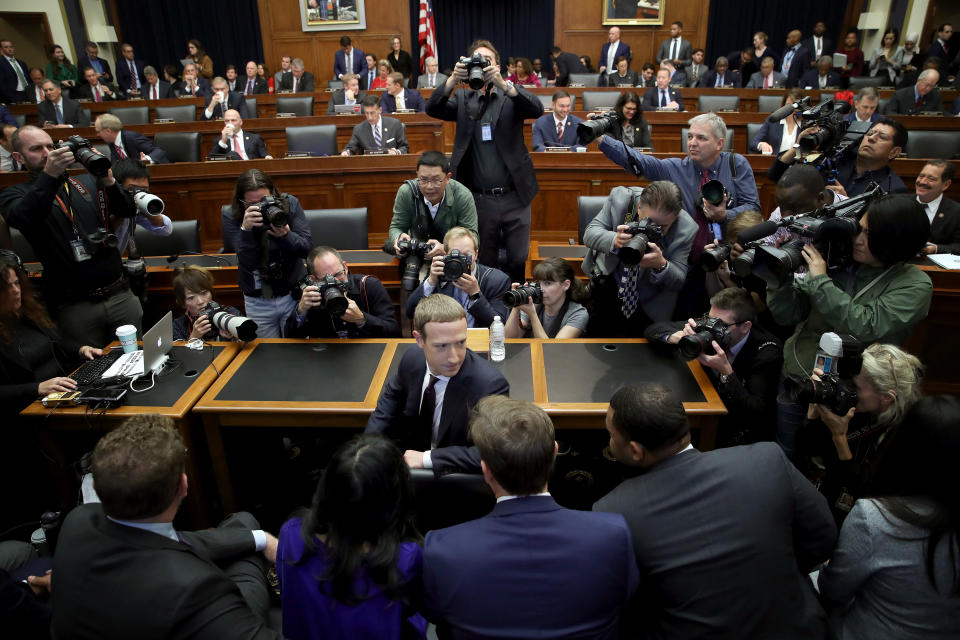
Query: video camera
{"type": "Point", "coordinates": [835, 136]}
{"type": "Point", "coordinates": [331, 291]}
{"type": "Point", "coordinates": [835, 389]}
{"type": "Point", "coordinates": [98, 165]}
{"type": "Point", "coordinates": [239, 327]}
{"type": "Point", "coordinates": [644, 232]}
{"type": "Point", "coordinates": [704, 333]}
{"type": "Point", "coordinates": [598, 124]}
{"type": "Point", "coordinates": [475, 65]}
{"type": "Point", "coordinates": [520, 295]}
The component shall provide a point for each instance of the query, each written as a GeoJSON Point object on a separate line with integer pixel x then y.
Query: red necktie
{"type": "Point", "coordinates": [236, 145]}
{"type": "Point", "coordinates": [120, 151]}
{"type": "Point", "coordinates": [704, 177]}
{"type": "Point", "coordinates": [560, 131]}
{"type": "Point", "coordinates": [766, 82]}
{"type": "Point", "coordinates": [96, 91]}
{"type": "Point", "coordinates": [154, 92]}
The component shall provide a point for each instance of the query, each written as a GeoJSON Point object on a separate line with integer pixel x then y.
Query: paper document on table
{"type": "Point", "coordinates": [945, 260]}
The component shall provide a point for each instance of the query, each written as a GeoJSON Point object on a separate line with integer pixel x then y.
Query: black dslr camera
{"type": "Point", "coordinates": [597, 125]}
{"type": "Point", "coordinates": [92, 161]}
{"type": "Point", "coordinates": [644, 232]}
{"type": "Point", "coordinates": [475, 65]}
{"type": "Point", "coordinates": [411, 254]}
{"type": "Point", "coordinates": [836, 389]}
{"type": "Point", "coordinates": [331, 291]}
{"type": "Point", "coordinates": [455, 264]}
{"type": "Point", "coordinates": [520, 295]}
{"type": "Point", "coordinates": [704, 333]}
{"type": "Point", "coordinates": [273, 212]}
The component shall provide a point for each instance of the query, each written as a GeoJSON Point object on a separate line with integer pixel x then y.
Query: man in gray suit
{"type": "Point", "coordinates": [377, 134]}
{"type": "Point", "coordinates": [723, 539]}
{"type": "Point", "coordinates": [675, 49]}
{"type": "Point", "coordinates": [644, 281]}
{"type": "Point", "coordinates": [768, 77]}
{"type": "Point", "coordinates": [432, 78]}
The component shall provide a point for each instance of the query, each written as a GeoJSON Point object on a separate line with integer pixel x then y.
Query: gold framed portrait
{"type": "Point", "coordinates": [620, 12]}
{"type": "Point", "coordinates": [332, 15]}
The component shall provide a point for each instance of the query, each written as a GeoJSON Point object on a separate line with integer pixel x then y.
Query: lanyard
{"type": "Point", "coordinates": [67, 210]}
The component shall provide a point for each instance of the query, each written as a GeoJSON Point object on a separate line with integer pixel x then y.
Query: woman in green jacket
{"type": "Point", "coordinates": [59, 69]}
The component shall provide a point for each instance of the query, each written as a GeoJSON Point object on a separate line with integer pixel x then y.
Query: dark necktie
{"type": "Point", "coordinates": [663, 98]}
{"type": "Point", "coordinates": [135, 81]}
{"type": "Point", "coordinates": [429, 404]}
{"type": "Point", "coordinates": [249, 87]}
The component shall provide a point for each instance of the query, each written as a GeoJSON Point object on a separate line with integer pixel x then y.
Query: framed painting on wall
{"type": "Point", "coordinates": [332, 15]}
{"type": "Point", "coordinates": [617, 12]}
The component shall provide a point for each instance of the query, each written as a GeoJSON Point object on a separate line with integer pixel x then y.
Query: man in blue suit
{"type": "Point", "coordinates": [130, 72]}
{"type": "Point", "coordinates": [399, 97]}
{"type": "Point", "coordinates": [558, 129]}
{"type": "Point", "coordinates": [612, 50]}
{"type": "Point", "coordinates": [426, 405]}
{"type": "Point", "coordinates": [14, 75]}
{"type": "Point", "coordinates": [529, 569]}
{"type": "Point", "coordinates": [822, 77]}
{"type": "Point", "coordinates": [865, 106]}
{"type": "Point", "coordinates": [348, 59]}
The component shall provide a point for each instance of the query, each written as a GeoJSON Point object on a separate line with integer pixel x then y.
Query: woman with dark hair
{"type": "Point", "coordinates": [588, 63]}
{"type": "Point", "coordinates": [622, 76]}
{"type": "Point", "coordinates": [776, 137]}
{"type": "Point", "coordinates": [171, 74]}
{"type": "Point", "coordinates": [634, 125]}
{"type": "Point", "coordinates": [351, 566]}
{"type": "Point", "coordinates": [270, 249]}
{"type": "Point", "coordinates": [264, 73]}
{"type": "Point", "coordinates": [876, 298]}
{"type": "Point", "coordinates": [896, 570]}
{"type": "Point", "coordinates": [561, 314]}
{"type": "Point", "coordinates": [193, 290]}
{"type": "Point", "coordinates": [399, 59]}
{"type": "Point", "coordinates": [524, 75]}
{"type": "Point", "coordinates": [196, 53]}
{"type": "Point", "coordinates": [882, 61]}
{"type": "Point", "coordinates": [59, 69]}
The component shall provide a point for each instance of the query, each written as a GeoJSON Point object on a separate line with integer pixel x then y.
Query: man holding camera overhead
{"type": "Point", "coordinates": [66, 221]}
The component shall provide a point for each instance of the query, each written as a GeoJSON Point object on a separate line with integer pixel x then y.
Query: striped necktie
{"type": "Point", "coordinates": [377, 138]}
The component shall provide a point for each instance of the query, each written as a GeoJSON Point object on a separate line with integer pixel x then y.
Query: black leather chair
{"type": "Point", "coordinates": [593, 100]}
{"type": "Point", "coordinates": [717, 103]}
{"type": "Point", "coordinates": [882, 104]}
{"type": "Point", "coordinates": [132, 115]}
{"type": "Point", "coordinates": [20, 118]}
{"type": "Point", "coordinates": [180, 146]}
{"type": "Point", "coordinates": [300, 105]}
{"type": "Point", "coordinates": [585, 79]}
{"type": "Point", "coordinates": [752, 129]}
{"type": "Point", "coordinates": [318, 139]}
{"type": "Point", "coordinates": [185, 237]}
{"type": "Point", "coordinates": [867, 81]}
{"type": "Point", "coordinates": [769, 104]}
{"type": "Point", "coordinates": [728, 145]}
{"type": "Point", "coordinates": [334, 84]}
{"type": "Point", "coordinates": [178, 113]}
{"type": "Point", "coordinates": [342, 229]}
{"type": "Point", "coordinates": [587, 209]}
{"type": "Point", "coordinates": [251, 102]}
{"type": "Point", "coordinates": [228, 246]}
{"type": "Point", "coordinates": [547, 101]}
{"type": "Point", "coordinates": [450, 499]}
{"type": "Point", "coordinates": [933, 144]}
{"type": "Point", "coordinates": [21, 246]}
{"type": "Point", "coordinates": [87, 113]}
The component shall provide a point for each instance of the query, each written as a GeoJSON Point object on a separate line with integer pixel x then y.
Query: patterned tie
{"type": "Point", "coordinates": [249, 86]}
{"type": "Point", "coordinates": [766, 82]}
{"type": "Point", "coordinates": [629, 276]}
{"type": "Point", "coordinates": [120, 151]}
{"type": "Point", "coordinates": [560, 131]}
{"type": "Point", "coordinates": [135, 83]}
{"type": "Point", "coordinates": [428, 406]}
{"type": "Point", "coordinates": [59, 113]}
{"type": "Point", "coordinates": [377, 138]}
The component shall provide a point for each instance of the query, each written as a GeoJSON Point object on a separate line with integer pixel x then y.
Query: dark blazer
{"type": "Point", "coordinates": [771, 133]}
{"type": "Point", "coordinates": [936, 50]}
{"type": "Point", "coordinates": [709, 79]}
{"type": "Point", "coordinates": [812, 79]}
{"type": "Point", "coordinates": [493, 283]}
{"type": "Point", "coordinates": [398, 410]}
{"type": "Point", "coordinates": [530, 569]}
{"type": "Point", "coordinates": [693, 80]}
{"type": "Point", "coordinates": [402, 63]}
{"type": "Point", "coordinates": [392, 131]}
{"type": "Point", "coordinates": [372, 299]}
{"type": "Point", "coordinates": [945, 228]}
{"type": "Point", "coordinates": [124, 79]}
{"type": "Point", "coordinates": [164, 90]}
{"type": "Point", "coordinates": [305, 84]}
{"type": "Point", "coordinates": [18, 381]}
{"type": "Point", "coordinates": [623, 49]}
{"type": "Point", "coordinates": [568, 63]}
{"type": "Point", "coordinates": [136, 143]}
{"type": "Point", "coordinates": [852, 116]}
{"type": "Point", "coordinates": [72, 113]}
{"type": "Point", "coordinates": [203, 89]}
{"type": "Point", "coordinates": [340, 62]}
{"type": "Point", "coordinates": [685, 53]}
{"type": "Point", "coordinates": [85, 92]}
{"type": "Point", "coordinates": [651, 98]}
{"type": "Point", "coordinates": [545, 132]}
{"type": "Point", "coordinates": [798, 65]}
{"type": "Point", "coordinates": [6, 117]}
{"type": "Point", "coordinates": [507, 133]}
{"type": "Point", "coordinates": [759, 515]}
{"type": "Point", "coordinates": [115, 581]}
{"type": "Point", "coordinates": [253, 145]}
{"type": "Point", "coordinates": [904, 103]}
{"type": "Point", "coordinates": [235, 100]}
{"type": "Point", "coordinates": [84, 62]}
{"type": "Point", "coordinates": [260, 86]}
{"type": "Point", "coordinates": [340, 97]}
{"type": "Point", "coordinates": [412, 98]}
{"type": "Point", "coordinates": [828, 47]}
{"type": "Point", "coordinates": [8, 81]}
{"type": "Point", "coordinates": [614, 79]}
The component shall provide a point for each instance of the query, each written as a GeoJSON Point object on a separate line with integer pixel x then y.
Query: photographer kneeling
{"type": "Point", "coordinates": [270, 233]}
{"type": "Point", "coordinates": [548, 307]}
{"type": "Point", "coordinates": [877, 298]}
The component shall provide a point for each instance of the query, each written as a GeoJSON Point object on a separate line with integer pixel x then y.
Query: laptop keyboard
{"type": "Point", "coordinates": [93, 370]}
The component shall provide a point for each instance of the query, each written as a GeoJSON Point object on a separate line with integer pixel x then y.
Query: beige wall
{"type": "Point", "coordinates": [58, 29]}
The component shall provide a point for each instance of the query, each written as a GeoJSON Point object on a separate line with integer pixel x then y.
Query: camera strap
{"type": "Point", "coordinates": [870, 284]}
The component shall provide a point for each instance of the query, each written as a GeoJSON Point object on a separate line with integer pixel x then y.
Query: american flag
{"type": "Point", "coordinates": [428, 33]}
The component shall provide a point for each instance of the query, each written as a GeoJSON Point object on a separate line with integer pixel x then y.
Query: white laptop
{"type": "Point", "coordinates": [156, 345]}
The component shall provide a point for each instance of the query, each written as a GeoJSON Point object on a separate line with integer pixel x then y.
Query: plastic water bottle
{"type": "Point", "coordinates": [498, 350]}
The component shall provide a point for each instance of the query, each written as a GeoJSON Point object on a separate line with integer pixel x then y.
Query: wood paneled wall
{"type": "Point", "coordinates": [283, 34]}
{"type": "Point", "coordinates": [579, 28]}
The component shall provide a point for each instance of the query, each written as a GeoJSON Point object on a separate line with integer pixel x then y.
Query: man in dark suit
{"type": "Point", "coordinates": [662, 96]}
{"type": "Point", "coordinates": [678, 77]}
{"type": "Point", "coordinates": [744, 369]}
{"type": "Point", "coordinates": [611, 50]}
{"type": "Point", "coordinates": [557, 129]}
{"type": "Point", "coordinates": [398, 97]}
{"type": "Point", "coordinates": [348, 59]}
{"type": "Point", "coordinates": [369, 312]}
{"type": "Point", "coordinates": [154, 88]}
{"type": "Point", "coordinates": [92, 59]}
{"type": "Point", "coordinates": [934, 179]}
{"type": "Point", "coordinates": [14, 75]}
{"type": "Point", "coordinates": [479, 290]}
{"type": "Point", "coordinates": [923, 96]}
{"type": "Point", "coordinates": [766, 78]}
{"type": "Point", "coordinates": [865, 107]}
{"type": "Point", "coordinates": [500, 175]}
{"type": "Point", "coordinates": [426, 405]}
{"type": "Point", "coordinates": [236, 143]}
{"type": "Point", "coordinates": [720, 75]}
{"type": "Point", "coordinates": [796, 59]}
{"type": "Point", "coordinates": [192, 84]}
{"type": "Point", "coordinates": [377, 133]}
{"type": "Point", "coordinates": [696, 68]}
{"type": "Point", "coordinates": [818, 43]}
{"type": "Point", "coordinates": [821, 77]}
{"type": "Point", "coordinates": [127, 144]}
{"type": "Point", "coordinates": [223, 100]}
{"type": "Point", "coordinates": [350, 94]}
{"type": "Point", "coordinates": [431, 78]}
{"type": "Point", "coordinates": [35, 92]}
{"type": "Point", "coordinates": [939, 47]}
{"type": "Point", "coordinates": [766, 524]}
{"type": "Point", "coordinates": [298, 81]}
{"type": "Point", "coordinates": [252, 84]}
{"type": "Point", "coordinates": [675, 48]}
{"type": "Point", "coordinates": [130, 72]}
{"type": "Point", "coordinates": [59, 111]}
{"type": "Point", "coordinates": [93, 90]}
{"type": "Point", "coordinates": [566, 63]}
{"type": "Point", "coordinates": [124, 571]}
{"type": "Point", "coordinates": [529, 569]}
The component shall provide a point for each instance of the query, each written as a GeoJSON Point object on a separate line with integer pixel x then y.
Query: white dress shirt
{"type": "Point", "coordinates": [612, 55]}
{"type": "Point", "coordinates": [931, 207]}
{"type": "Point", "coordinates": [166, 530]}
{"type": "Point", "coordinates": [236, 141]}
{"type": "Point", "coordinates": [787, 139]}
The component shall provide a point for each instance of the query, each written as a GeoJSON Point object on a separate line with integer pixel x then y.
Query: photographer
{"type": "Point", "coordinates": [193, 289]}
{"type": "Point", "coordinates": [368, 312]}
{"type": "Point", "coordinates": [744, 368]}
{"type": "Point", "coordinates": [426, 208]}
{"type": "Point", "coordinates": [479, 289]}
{"type": "Point", "coordinates": [559, 312]}
{"type": "Point", "coordinates": [66, 221]}
{"type": "Point", "coordinates": [134, 176]}
{"type": "Point", "coordinates": [270, 254]}
{"type": "Point", "coordinates": [878, 298]}
{"type": "Point", "coordinates": [628, 297]}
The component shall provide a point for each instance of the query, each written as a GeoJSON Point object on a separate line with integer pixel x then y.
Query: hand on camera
{"type": "Point", "coordinates": [653, 258]}
{"type": "Point", "coordinates": [311, 298]}
{"type": "Point", "coordinates": [622, 236]}
{"type": "Point", "coordinates": [436, 271]}
{"type": "Point", "coordinates": [252, 218]}
{"type": "Point", "coordinates": [200, 328]}
{"type": "Point", "coordinates": [816, 265]}
{"type": "Point", "coordinates": [353, 313]}
{"type": "Point", "coordinates": [57, 161]}
{"type": "Point", "coordinates": [718, 362]}
{"type": "Point", "coordinates": [527, 307]}
{"type": "Point", "coordinates": [715, 212]}
{"type": "Point", "coordinates": [467, 283]}
{"type": "Point", "coordinates": [278, 232]}
{"type": "Point", "coordinates": [436, 250]}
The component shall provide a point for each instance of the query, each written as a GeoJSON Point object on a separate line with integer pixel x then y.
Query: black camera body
{"type": "Point", "coordinates": [835, 389]}
{"type": "Point", "coordinates": [644, 232]}
{"type": "Point", "coordinates": [92, 161]}
{"type": "Point", "coordinates": [704, 333]}
{"type": "Point", "coordinates": [273, 212]}
{"type": "Point", "coordinates": [239, 327]}
{"type": "Point", "coordinates": [475, 65]}
{"type": "Point", "coordinates": [715, 192]}
{"type": "Point", "coordinates": [413, 247]}
{"type": "Point", "coordinates": [835, 136]}
{"type": "Point", "coordinates": [711, 259]}
{"type": "Point", "coordinates": [332, 299]}
{"type": "Point", "coordinates": [520, 295]}
{"type": "Point", "coordinates": [455, 264]}
{"type": "Point", "coordinates": [597, 125]}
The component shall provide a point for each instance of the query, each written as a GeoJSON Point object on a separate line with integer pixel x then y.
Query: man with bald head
{"type": "Point", "coordinates": [923, 96]}
{"type": "Point", "coordinates": [236, 143]}
{"type": "Point", "coordinates": [223, 100]}
{"type": "Point", "coordinates": [796, 59]}
{"type": "Point", "coordinates": [252, 84]}
{"type": "Point", "coordinates": [822, 77]}
{"type": "Point", "coordinates": [613, 49]}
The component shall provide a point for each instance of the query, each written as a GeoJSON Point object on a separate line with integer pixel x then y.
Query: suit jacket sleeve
{"type": "Point", "coordinates": [259, 148]}
{"type": "Point", "coordinates": [389, 412]}
{"type": "Point", "coordinates": [401, 137]}
{"type": "Point", "coordinates": [354, 144]}
{"type": "Point", "coordinates": [756, 393]}
{"type": "Point", "coordinates": [306, 82]}
{"type": "Point", "coordinates": [442, 107]}
{"type": "Point", "coordinates": [380, 319]}
{"type": "Point", "coordinates": [539, 144]}
{"type": "Point", "coordinates": [489, 304]}
{"type": "Point", "coordinates": [951, 212]}
{"type": "Point", "coordinates": [297, 240]}
{"type": "Point", "coordinates": [82, 119]}
{"type": "Point", "coordinates": [142, 144]}
{"type": "Point", "coordinates": [814, 529]}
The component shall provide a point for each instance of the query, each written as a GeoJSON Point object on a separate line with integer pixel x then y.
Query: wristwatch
{"type": "Point", "coordinates": [724, 377]}
{"type": "Point", "coordinates": [660, 270]}
{"type": "Point", "coordinates": [475, 296]}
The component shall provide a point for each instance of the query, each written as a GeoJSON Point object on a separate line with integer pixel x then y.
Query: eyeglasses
{"type": "Point", "coordinates": [425, 182]}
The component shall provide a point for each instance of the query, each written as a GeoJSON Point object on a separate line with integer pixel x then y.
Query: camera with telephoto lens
{"type": "Point", "coordinates": [704, 333]}
{"type": "Point", "coordinates": [522, 294]}
{"type": "Point", "coordinates": [714, 192]}
{"type": "Point", "coordinates": [273, 212]}
{"type": "Point", "coordinates": [146, 203]}
{"type": "Point", "coordinates": [597, 125]}
{"type": "Point", "coordinates": [237, 326]}
{"type": "Point", "coordinates": [742, 265]}
{"type": "Point", "coordinates": [836, 389]}
{"type": "Point", "coordinates": [644, 232]}
{"type": "Point", "coordinates": [455, 264]}
{"type": "Point", "coordinates": [331, 291]}
{"type": "Point", "coordinates": [475, 65]}
{"type": "Point", "coordinates": [413, 247]}
{"type": "Point", "coordinates": [83, 153]}
{"type": "Point", "coordinates": [711, 259]}
{"type": "Point", "coordinates": [411, 254]}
